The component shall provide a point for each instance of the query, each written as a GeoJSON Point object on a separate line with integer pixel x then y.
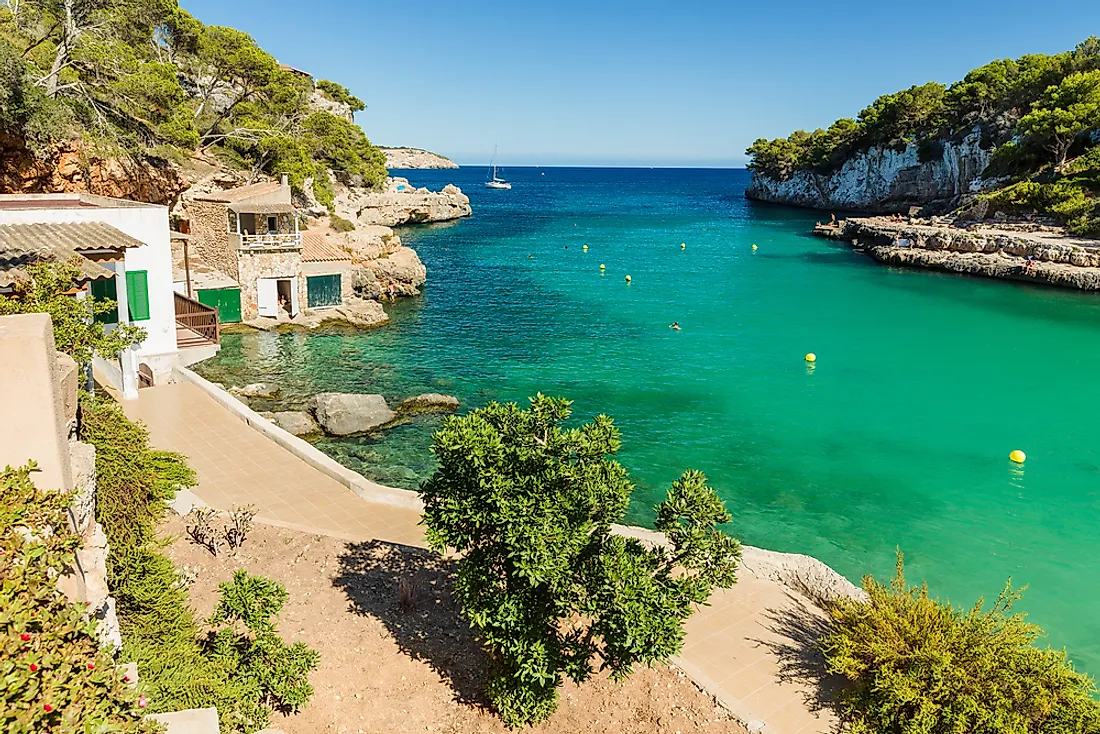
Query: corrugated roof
{"type": "Point", "coordinates": [22, 245]}
{"type": "Point", "coordinates": [243, 192]}
{"type": "Point", "coordinates": [245, 208]}
{"type": "Point", "coordinates": [316, 248]}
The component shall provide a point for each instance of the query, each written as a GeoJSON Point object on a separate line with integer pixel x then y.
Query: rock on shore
{"type": "Point", "coordinates": [428, 403]}
{"type": "Point", "coordinates": [988, 251]}
{"type": "Point", "coordinates": [344, 414]}
{"type": "Point", "coordinates": [413, 158]}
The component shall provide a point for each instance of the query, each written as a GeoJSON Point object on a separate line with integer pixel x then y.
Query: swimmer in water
{"type": "Point", "coordinates": [674, 325]}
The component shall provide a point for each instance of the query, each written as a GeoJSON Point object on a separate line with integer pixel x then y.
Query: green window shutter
{"type": "Point", "coordinates": [103, 290]}
{"type": "Point", "coordinates": [137, 294]}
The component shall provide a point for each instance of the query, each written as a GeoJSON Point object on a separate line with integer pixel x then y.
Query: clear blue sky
{"type": "Point", "coordinates": [640, 83]}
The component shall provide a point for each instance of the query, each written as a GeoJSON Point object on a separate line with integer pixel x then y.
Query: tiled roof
{"type": "Point", "coordinates": [317, 248]}
{"type": "Point", "coordinates": [244, 192]}
{"type": "Point", "coordinates": [245, 208]}
{"type": "Point", "coordinates": [26, 244]}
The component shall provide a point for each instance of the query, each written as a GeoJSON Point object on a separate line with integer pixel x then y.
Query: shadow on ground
{"type": "Point", "coordinates": [410, 590]}
{"type": "Point", "coordinates": [800, 659]}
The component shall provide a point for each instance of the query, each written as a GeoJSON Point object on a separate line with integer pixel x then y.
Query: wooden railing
{"type": "Point", "coordinates": [199, 318]}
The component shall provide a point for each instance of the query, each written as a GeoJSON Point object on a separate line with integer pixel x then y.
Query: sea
{"type": "Point", "coordinates": [895, 440]}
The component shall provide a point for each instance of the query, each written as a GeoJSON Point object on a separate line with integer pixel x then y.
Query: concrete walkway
{"type": "Point", "coordinates": [752, 647]}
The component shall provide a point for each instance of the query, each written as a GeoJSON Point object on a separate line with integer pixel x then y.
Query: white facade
{"type": "Point", "coordinates": [147, 223]}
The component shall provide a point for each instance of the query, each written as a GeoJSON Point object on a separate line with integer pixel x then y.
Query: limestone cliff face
{"type": "Point", "coordinates": [883, 180]}
{"type": "Point", "coordinates": [71, 169]}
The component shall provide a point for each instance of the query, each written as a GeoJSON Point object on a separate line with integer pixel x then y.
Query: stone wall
{"type": "Point", "coordinates": [39, 386]}
{"type": "Point", "coordinates": [268, 263]}
{"type": "Point", "coordinates": [210, 235]}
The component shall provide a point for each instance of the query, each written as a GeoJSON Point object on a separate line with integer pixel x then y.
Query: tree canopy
{"type": "Point", "coordinates": [144, 77]}
{"type": "Point", "coordinates": [550, 589]}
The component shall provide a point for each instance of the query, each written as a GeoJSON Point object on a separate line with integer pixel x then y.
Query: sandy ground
{"type": "Point", "coordinates": [396, 656]}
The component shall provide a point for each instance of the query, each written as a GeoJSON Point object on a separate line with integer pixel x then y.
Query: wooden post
{"type": "Point", "coordinates": [187, 267]}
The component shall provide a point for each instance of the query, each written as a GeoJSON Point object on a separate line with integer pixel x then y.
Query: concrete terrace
{"type": "Point", "coordinates": [751, 648]}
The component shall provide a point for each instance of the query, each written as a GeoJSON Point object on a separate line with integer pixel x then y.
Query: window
{"type": "Point", "coordinates": [137, 294]}
{"type": "Point", "coordinates": [272, 225]}
{"type": "Point", "coordinates": [103, 290]}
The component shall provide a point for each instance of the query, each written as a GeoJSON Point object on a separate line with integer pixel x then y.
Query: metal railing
{"type": "Point", "coordinates": [256, 241]}
{"type": "Point", "coordinates": [199, 318]}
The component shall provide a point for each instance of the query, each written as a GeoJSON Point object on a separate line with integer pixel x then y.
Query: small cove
{"type": "Point", "coordinates": [898, 437]}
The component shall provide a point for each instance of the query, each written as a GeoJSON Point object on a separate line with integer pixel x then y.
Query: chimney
{"type": "Point", "coordinates": [286, 180]}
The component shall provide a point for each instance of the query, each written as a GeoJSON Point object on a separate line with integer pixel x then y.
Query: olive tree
{"type": "Point", "coordinates": [548, 586]}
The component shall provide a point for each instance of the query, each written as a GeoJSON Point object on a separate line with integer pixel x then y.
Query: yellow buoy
{"type": "Point", "coordinates": [1018, 456]}
{"type": "Point", "coordinates": [603, 267]}
{"type": "Point", "coordinates": [754, 247]}
{"type": "Point", "coordinates": [628, 279]}
{"type": "Point", "coordinates": [811, 357]}
{"type": "Point", "coordinates": [586, 248]}
{"type": "Point", "coordinates": [683, 245]}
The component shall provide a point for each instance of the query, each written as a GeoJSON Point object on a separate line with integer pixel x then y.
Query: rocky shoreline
{"type": "Point", "coordinates": [1024, 252]}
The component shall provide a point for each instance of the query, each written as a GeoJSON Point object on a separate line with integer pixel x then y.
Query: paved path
{"type": "Point", "coordinates": [749, 648]}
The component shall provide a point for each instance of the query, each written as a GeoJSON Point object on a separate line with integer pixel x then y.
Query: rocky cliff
{"type": "Point", "coordinates": [400, 203]}
{"type": "Point", "coordinates": [884, 179]}
{"type": "Point", "coordinates": [72, 169]}
{"type": "Point", "coordinates": [410, 158]}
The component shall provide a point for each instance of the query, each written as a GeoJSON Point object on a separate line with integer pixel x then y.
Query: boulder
{"type": "Point", "coordinates": [428, 403]}
{"type": "Point", "coordinates": [295, 422]}
{"type": "Point", "coordinates": [343, 414]}
{"type": "Point", "coordinates": [402, 268]}
{"type": "Point", "coordinates": [256, 390]}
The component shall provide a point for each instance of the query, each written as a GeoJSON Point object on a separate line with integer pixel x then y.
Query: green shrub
{"type": "Point", "coordinates": [257, 659]}
{"type": "Point", "coordinates": [340, 224]}
{"type": "Point", "coordinates": [920, 666]}
{"type": "Point", "coordinates": [159, 631]}
{"type": "Point", "coordinates": [529, 507]}
{"type": "Point", "coordinates": [54, 679]}
{"type": "Point", "coordinates": [339, 93]}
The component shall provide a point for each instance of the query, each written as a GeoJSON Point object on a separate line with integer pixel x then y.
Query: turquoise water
{"type": "Point", "coordinates": [899, 436]}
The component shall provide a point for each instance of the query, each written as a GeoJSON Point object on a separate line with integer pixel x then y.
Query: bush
{"type": "Point", "coordinates": [920, 666]}
{"type": "Point", "coordinates": [529, 506]}
{"type": "Point", "coordinates": [340, 224]}
{"type": "Point", "coordinates": [258, 660]}
{"type": "Point", "coordinates": [159, 631]}
{"type": "Point", "coordinates": [54, 679]}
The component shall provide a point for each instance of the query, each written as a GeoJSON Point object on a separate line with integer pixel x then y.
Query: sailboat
{"type": "Point", "coordinates": [496, 182]}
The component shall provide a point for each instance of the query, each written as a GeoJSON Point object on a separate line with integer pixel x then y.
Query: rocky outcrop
{"type": "Point", "coordinates": [428, 403]}
{"type": "Point", "coordinates": [320, 102]}
{"type": "Point", "coordinates": [343, 414]}
{"type": "Point", "coordinates": [1027, 253]}
{"type": "Point", "coordinates": [400, 203]}
{"type": "Point", "coordinates": [355, 312]}
{"type": "Point", "coordinates": [884, 179]}
{"type": "Point", "coordinates": [415, 158]}
{"type": "Point", "coordinates": [72, 169]}
{"type": "Point", "coordinates": [402, 269]}
{"type": "Point", "coordinates": [379, 259]}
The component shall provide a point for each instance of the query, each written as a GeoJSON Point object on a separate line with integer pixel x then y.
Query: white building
{"type": "Point", "coordinates": [129, 239]}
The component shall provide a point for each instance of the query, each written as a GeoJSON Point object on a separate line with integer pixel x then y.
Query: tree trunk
{"type": "Point", "coordinates": [69, 33]}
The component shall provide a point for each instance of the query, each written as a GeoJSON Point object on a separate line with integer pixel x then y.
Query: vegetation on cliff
{"type": "Point", "coordinates": [145, 78]}
{"type": "Point", "coordinates": [1040, 114]}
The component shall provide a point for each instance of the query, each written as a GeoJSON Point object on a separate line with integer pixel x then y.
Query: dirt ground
{"type": "Point", "coordinates": [396, 656]}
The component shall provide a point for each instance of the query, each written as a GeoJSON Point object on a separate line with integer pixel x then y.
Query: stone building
{"type": "Point", "coordinates": [251, 234]}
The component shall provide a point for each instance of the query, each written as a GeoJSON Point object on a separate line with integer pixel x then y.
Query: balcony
{"type": "Point", "coordinates": [271, 241]}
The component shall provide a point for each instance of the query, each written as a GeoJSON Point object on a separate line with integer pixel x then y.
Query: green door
{"type": "Point", "coordinates": [323, 290]}
{"type": "Point", "coordinates": [226, 300]}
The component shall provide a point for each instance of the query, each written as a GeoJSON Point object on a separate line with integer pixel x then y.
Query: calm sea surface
{"type": "Point", "coordinates": [899, 437]}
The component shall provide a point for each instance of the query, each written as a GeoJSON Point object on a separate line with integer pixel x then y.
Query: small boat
{"type": "Point", "coordinates": [496, 182]}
